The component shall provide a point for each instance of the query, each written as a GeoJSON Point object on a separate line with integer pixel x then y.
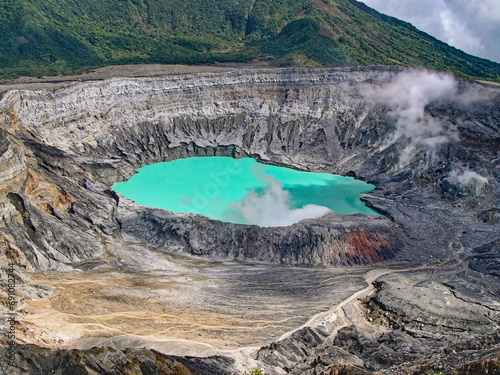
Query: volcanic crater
{"type": "Point", "coordinates": [96, 270]}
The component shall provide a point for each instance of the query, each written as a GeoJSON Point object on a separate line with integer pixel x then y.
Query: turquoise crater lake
{"type": "Point", "coordinates": [244, 191]}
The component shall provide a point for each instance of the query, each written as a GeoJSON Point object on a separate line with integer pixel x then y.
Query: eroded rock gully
{"type": "Point", "coordinates": [97, 270]}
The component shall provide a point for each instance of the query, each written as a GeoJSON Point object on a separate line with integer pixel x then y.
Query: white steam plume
{"type": "Point", "coordinates": [407, 97]}
{"type": "Point", "coordinates": [272, 208]}
{"type": "Point", "coordinates": [468, 179]}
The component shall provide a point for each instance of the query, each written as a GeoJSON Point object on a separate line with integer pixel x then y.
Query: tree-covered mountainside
{"type": "Point", "coordinates": [67, 36]}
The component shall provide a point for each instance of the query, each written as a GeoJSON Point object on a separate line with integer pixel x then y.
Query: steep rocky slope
{"type": "Point", "coordinates": [428, 141]}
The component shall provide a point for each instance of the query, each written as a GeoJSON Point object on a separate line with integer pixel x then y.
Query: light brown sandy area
{"type": "Point", "coordinates": [219, 306]}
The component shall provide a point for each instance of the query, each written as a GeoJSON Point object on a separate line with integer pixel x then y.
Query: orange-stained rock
{"type": "Point", "coordinates": [366, 245]}
{"type": "Point", "coordinates": [43, 193]}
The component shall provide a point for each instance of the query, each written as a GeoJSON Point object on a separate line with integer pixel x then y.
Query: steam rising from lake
{"type": "Point", "coordinates": [272, 207]}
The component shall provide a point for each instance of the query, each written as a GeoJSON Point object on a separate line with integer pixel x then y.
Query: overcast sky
{"type": "Point", "coordinates": [470, 25]}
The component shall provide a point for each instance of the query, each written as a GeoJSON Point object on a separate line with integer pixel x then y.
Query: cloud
{"type": "Point", "coordinates": [472, 26]}
{"type": "Point", "coordinates": [407, 96]}
{"type": "Point", "coordinates": [271, 207]}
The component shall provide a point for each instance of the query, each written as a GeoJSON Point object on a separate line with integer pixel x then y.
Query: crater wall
{"type": "Point", "coordinates": [83, 138]}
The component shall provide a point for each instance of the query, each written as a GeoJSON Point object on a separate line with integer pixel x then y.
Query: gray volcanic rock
{"type": "Point", "coordinates": [108, 361]}
{"type": "Point", "coordinates": [430, 143]}
{"type": "Point", "coordinates": [332, 240]}
{"type": "Point", "coordinates": [486, 258]}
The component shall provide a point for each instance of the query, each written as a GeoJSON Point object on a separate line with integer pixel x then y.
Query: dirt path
{"type": "Point", "coordinates": [129, 71]}
{"type": "Point", "coordinates": [336, 315]}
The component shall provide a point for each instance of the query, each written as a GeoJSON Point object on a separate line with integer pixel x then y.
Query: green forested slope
{"type": "Point", "coordinates": [65, 36]}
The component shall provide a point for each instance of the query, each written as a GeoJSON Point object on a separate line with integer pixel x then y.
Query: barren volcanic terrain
{"type": "Point", "coordinates": [106, 286]}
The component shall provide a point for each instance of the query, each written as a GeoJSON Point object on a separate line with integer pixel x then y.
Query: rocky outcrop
{"type": "Point", "coordinates": [433, 159]}
{"type": "Point", "coordinates": [333, 240]}
{"type": "Point", "coordinates": [112, 361]}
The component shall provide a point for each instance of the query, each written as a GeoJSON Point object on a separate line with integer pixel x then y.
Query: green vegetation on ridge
{"type": "Point", "coordinates": [67, 36]}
